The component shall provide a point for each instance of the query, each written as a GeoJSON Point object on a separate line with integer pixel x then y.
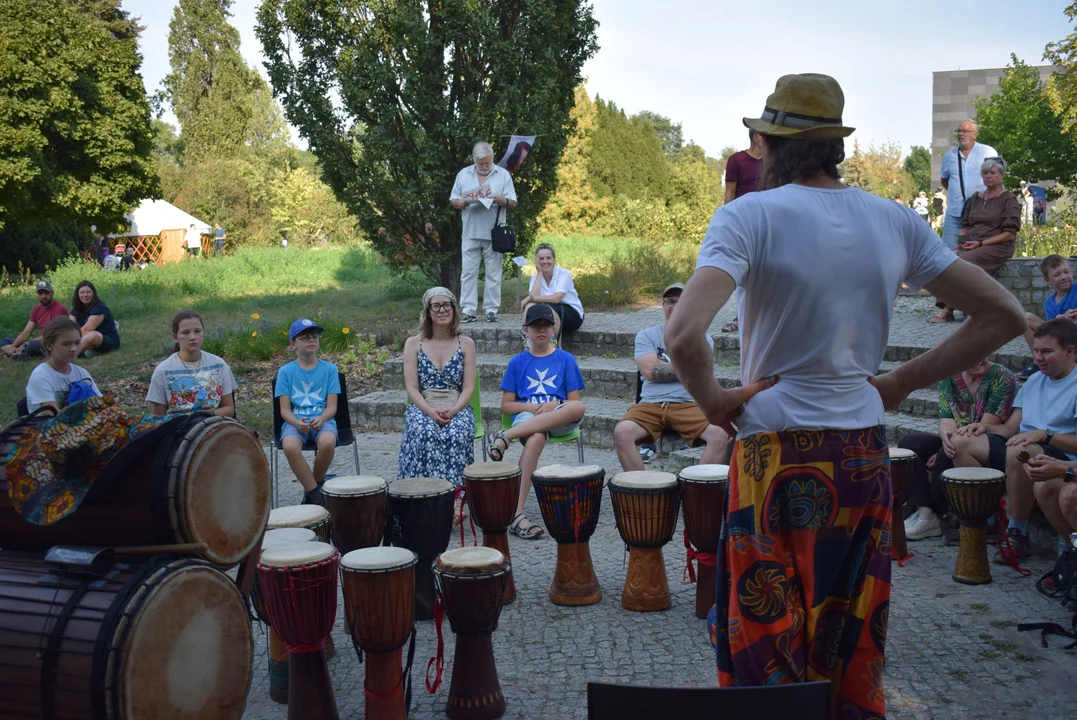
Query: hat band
{"type": "Point", "coordinates": [796, 120]}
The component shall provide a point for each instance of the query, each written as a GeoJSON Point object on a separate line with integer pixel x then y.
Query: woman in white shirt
{"type": "Point", "coordinates": [553, 285]}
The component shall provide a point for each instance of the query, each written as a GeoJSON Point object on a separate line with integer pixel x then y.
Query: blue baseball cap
{"type": "Point", "coordinates": [302, 325]}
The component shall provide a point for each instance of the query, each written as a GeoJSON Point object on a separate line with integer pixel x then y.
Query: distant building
{"type": "Point", "coordinates": [952, 93]}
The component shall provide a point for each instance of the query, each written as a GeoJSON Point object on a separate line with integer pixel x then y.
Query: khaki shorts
{"type": "Point", "coordinates": [683, 418]}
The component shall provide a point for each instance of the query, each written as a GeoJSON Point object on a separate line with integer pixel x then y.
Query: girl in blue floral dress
{"type": "Point", "coordinates": [440, 377]}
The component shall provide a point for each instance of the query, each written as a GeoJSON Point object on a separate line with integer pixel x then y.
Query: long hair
{"type": "Point", "coordinates": [180, 317]}
{"type": "Point", "coordinates": [55, 328]}
{"type": "Point", "coordinates": [77, 304]}
{"type": "Point", "coordinates": [426, 323]}
{"type": "Point", "coordinates": [789, 159]}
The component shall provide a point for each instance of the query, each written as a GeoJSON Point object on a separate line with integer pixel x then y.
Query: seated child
{"type": "Point", "coordinates": [1056, 273]}
{"type": "Point", "coordinates": [50, 382]}
{"type": "Point", "coordinates": [191, 379]}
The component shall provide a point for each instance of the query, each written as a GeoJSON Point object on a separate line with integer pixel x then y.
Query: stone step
{"type": "Point", "coordinates": [383, 411]}
{"type": "Point", "coordinates": [615, 379]}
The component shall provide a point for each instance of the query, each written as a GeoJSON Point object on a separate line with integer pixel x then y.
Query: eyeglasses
{"type": "Point", "coordinates": [670, 302]}
{"type": "Point", "coordinates": [959, 131]}
{"type": "Point", "coordinates": [441, 307]}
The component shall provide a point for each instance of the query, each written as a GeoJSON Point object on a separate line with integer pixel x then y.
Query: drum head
{"type": "Point", "coordinates": [296, 554]}
{"type": "Point", "coordinates": [644, 480]}
{"type": "Point", "coordinates": [378, 558]}
{"type": "Point", "coordinates": [188, 648]}
{"type": "Point", "coordinates": [300, 516]}
{"type": "Point", "coordinates": [491, 471]}
{"type": "Point", "coordinates": [354, 485]}
{"type": "Point", "coordinates": [471, 560]}
{"type": "Point", "coordinates": [972, 474]}
{"type": "Point", "coordinates": [705, 473]}
{"type": "Point", "coordinates": [567, 473]}
{"type": "Point", "coordinates": [420, 487]}
{"type": "Point", "coordinates": [897, 453]}
{"type": "Point", "coordinates": [225, 489]}
{"type": "Point", "coordinates": [282, 536]}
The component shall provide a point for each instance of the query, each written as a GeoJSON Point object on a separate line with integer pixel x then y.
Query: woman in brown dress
{"type": "Point", "coordinates": [989, 225]}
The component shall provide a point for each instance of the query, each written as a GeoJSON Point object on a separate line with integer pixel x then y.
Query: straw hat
{"type": "Point", "coordinates": [806, 106]}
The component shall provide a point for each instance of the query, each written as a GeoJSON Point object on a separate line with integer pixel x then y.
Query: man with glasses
{"type": "Point", "coordinates": [665, 405]}
{"type": "Point", "coordinates": [480, 192]}
{"type": "Point", "coordinates": [961, 177]}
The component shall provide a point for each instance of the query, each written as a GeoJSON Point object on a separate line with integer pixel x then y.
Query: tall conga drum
{"type": "Point", "coordinates": [493, 489]}
{"type": "Point", "coordinates": [471, 582]}
{"type": "Point", "coordinates": [310, 517]}
{"type": "Point", "coordinates": [703, 491]}
{"type": "Point", "coordinates": [570, 497]}
{"type": "Point", "coordinates": [356, 504]}
{"type": "Point", "coordinates": [974, 495]}
{"type": "Point", "coordinates": [645, 505]}
{"type": "Point", "coordinates": [299, 591]}
{"type": "Point", "coordinates": [902, 466]}
{"type": "Point", "coordinates": [121, 639]}
{"type": "Point", "coordinates": [420, 519]}
{"type": "Point", "coordinates": [379, 603]}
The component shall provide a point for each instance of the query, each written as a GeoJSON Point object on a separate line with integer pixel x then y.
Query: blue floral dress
{"type": "Point", "coordinates": [431, 450]}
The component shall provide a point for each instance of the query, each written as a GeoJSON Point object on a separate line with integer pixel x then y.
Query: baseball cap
{"type": "Point", "coordinates": [44, 286]}
{"type": "Point", "coordinates": [539, 311]}
{"type": "Point", "coordinates": [120, 249]}
{"type": "Point", "coordinates": [302, 325]}
{"type": "Point", "coordinates": [671, 288]}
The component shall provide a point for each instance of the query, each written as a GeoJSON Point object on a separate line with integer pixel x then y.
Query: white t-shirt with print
{"type": "Point", "coordinates": [186, 387]}
{"type": "Point", "coordinates": [46, 385]}
{"type": "Point", "coordinates": [561, 282]}
{"type": "Point", "coordinates": [819, 270]}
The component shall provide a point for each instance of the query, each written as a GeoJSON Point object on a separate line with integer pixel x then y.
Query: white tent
{"type": "Point", "coordinates": [152, 217]}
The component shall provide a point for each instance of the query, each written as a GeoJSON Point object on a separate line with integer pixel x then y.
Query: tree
{"type": "Point", "coordinates": [669, 133]}
{"type": "Point", "coordinates": [1019, 121]}
{"type": "Point", "coordinates": [878, 170]}
{"type": "Point", "coordinates": [626, 157]}
{"type": "Point", "coordinates": [918, 165]}
{"type": "Point", "coordinates": [76, 146]}
{"type": "Point", "coordinates": [717, 165]}
{"type": "Point", "coordinates": [392, 96]}
{"type": "Point", "coordinates": [1062, 87]}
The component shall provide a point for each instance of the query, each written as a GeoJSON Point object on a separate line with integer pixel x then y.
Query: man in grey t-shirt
{"type": "Point", "coordinates": [665, 404]}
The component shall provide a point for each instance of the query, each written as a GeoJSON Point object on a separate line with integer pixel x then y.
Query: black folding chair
{"type": "Point", "coordinates": [796, 701]}
{"type": "Point", "coordinates": [344, 431]}
{"type": "Point", "coordinates": [22, 408]}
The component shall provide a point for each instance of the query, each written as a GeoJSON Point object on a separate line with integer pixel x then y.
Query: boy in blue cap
{"type": "Point", "coordinates": [307, 389]}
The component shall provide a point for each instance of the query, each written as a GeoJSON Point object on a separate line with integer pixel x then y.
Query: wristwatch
{"type": "Point", "coordinates": [1048, 436]}
{"type": "Point", "coordinates": [1068, 477]}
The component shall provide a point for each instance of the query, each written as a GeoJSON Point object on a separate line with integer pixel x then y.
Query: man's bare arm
{"type": "Point", "coordinates": [654, 370]}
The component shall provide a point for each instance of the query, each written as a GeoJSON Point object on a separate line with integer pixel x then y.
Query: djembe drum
{"type": "Point", "coordinates": [703, 491]}
{"type": "Point", "coordinates": [86, 635]}
{"type": "Point", "coordinates": [357, 506]}
{"type": "Point", "coordinates": [420, 519]}
{"type": "Point", "coordinates": [379, 592]}
{"type": "Point", "coordinates": [902, 467]}
{"type": "Point", "coordinates": [471, 582]}
{"type": "Point", "coordinates": [492, 490]}
{"type": "Point", "coordinates": [645, 505]}
{"type": "Point", "coordinates": [299, 592]}
{"type": "Point", "coordinates": [570, 497]}
{"type": "Point", "coordinates": [974, 494]}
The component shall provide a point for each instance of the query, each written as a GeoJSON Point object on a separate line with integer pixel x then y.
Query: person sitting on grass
{"type": "Point", "coordinates": [1058, 275]}
{"type": "Point", "coordinates": [190, 379]}
{"type": "Point", "coordinates": [1044, 421]}
{"type": "Point", "coordinates": [307, 390]}
{"type": "Point", "coordinates": [99, 331]}
{"type": "Point", "coordinates": [50, 382]}
{"type": "Point", "coordinates": [1056, 494]}
{"type": "Point", "coordinates": [45, 311]}
{"type": "Point", "coordinates": [542, 393]}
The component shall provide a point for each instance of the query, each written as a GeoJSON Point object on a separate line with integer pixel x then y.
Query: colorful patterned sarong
{"type": "Point", "coordinates": [804, 565]}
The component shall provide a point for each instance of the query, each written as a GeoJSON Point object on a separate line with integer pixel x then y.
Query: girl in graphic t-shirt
{"type": "Point", "coordinates": [191, 380]}
{"type": "Point", "coordinates": [51, 381]}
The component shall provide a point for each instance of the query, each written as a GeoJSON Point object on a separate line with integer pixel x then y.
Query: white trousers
{"type": "Point", "coordinates": [472, 251]}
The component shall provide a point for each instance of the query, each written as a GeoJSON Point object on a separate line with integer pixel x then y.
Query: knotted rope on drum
{"type": "Point", "coordinates": [438, 661]}
{"type": "Point", "coordinates": [708, 559]}
{"type": "Point", "coordinates": [296, 619]}
{"type": "Point", "coordinates": [460, 496]}
{"type": "Point", "coordinates": [405, 678]}
{"type": "Point", "coordinates": [1004, 539]}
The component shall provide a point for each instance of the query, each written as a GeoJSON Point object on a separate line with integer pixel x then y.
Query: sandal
{"type": "Point", "coordinates": [531, 532]}
{"type": "Point", "coordinates": [492, 441]}
{"type": "Point", "coordinates": [731, 326]}
{"type": "Point", "coordinates": [942, 317]}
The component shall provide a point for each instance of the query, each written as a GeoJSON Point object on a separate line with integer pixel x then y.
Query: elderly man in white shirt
{"type": "Point", "coordinates": [960, 176]}
{"type": "Point", "coordinates": [480, 191]}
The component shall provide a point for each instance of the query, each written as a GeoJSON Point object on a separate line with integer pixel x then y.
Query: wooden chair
{"type": "Point", "coordinates": [796, 701]}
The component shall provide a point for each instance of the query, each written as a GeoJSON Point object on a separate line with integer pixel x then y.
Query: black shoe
{"type": "Point", "coordinates": [313, 497]}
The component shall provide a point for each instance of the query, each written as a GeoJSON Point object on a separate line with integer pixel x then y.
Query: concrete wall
{"type": "Point", "coordinates": [1022, 277]}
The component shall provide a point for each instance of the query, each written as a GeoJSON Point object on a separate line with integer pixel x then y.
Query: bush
{"type": "Point", "coordinates": [1058, 237]}
{"type": "Point", "coordinates": [636, 274]}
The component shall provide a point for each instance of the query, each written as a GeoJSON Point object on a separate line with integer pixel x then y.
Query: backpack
{"type": "Point", "coordinates": [1062, 587]}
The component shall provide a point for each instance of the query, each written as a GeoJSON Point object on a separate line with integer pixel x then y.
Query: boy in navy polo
{"type": "Point", "coordinates": [542, 394]}
{"type": "Point", "coordinates": [1062, 303]}
{"type": "Point", "coordinates": [307, 389]}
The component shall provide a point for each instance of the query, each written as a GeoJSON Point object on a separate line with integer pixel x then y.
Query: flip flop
{"type": "Point", "coordinates": [731, 326]}
{"type": "Point", "coordinates": [491, 442]}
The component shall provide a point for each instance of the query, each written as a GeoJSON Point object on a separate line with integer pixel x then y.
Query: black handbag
{"type": "Point", "coordinates": [502, 237]}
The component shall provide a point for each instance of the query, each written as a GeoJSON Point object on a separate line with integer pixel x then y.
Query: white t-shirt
{"type": "Point", "coordinates": [46, 385]}
{"type": "Point", "coordinates": [561, 282]}
{"type": "Point", "coordinates": [477, 218]}
{"type": "Point", "coordinates": [1048, 404]}
{"type": "Point", "coordinates": [186, 387]}
{"type": "Point", "coordinates": [194, 239]}
{"type": "Point", "coordinates": [819, 270]}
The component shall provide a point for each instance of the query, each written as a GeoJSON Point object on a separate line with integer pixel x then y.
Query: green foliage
{"type": "Point", "coordinates": [879, 170]}
{"type": "Point", "coordinates": [392, 96]}
{"type": "Point", "coordinates": [75, 138]}
{"type": "Point", "coordinates": [918, 166]}
{"type": "Point", "coordinates": [1062, 87]}
{"type": "Point", "coordinates": [636, 271]}
{"type": "Point", "coordinates": [1019, 121]}
{"type": "Point", "coordinates": [669, 134]}
{"type": "Point", "coordinates": [305, 208]}
{"type": "Point", "coordinates": [42, 245]}
{"type": "Point", "coordinates": [1058, 237]}
{"type": "Point", "coordinates": [626, 159]}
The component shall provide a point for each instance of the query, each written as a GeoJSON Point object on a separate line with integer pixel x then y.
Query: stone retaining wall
{"type": "Point", "coordinates": [1022, 277]}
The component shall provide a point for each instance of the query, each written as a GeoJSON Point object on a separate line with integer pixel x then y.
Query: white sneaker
{"type": "Point", "coordinates": [925, 529]}
{"type": "Point", "coordinates": [912, 521]}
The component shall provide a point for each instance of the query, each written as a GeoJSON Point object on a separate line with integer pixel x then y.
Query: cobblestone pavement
{"type": "Point", "coordinates": [953, 651]}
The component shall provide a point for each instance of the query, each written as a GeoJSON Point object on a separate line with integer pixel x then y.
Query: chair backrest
{"type": "Point", "coordinates": [476, 409]}
{"type": "Point", "coordinates": [22, 408]}
{"type": "Point", "coordinates": [802, 701]}
{"type": "Point", "coordinates": [278, 419]}
{"type": "Point", "coordinates": [343, 416]}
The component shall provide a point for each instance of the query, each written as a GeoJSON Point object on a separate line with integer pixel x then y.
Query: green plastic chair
{"type": "Point", "coordinates": [506, 423]}
{"type": "Point", "coordinates": [476, 409]}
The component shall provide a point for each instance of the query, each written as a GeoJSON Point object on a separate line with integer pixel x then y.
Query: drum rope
{"type": "Point", "coordinates": [1004, 539]}
{"type": "Point", "coordinates": [407, 670]}
{"type": "Point", "coordinates": [576, 522]}
{"type": "Point", "coordinates": [708, 559]}
{"type": "Point", "coordinates": [438, 661]}
{"type": "Point", "coordinates": [458, 493]}
{"type": "Point", "coordinates": [285, 608]}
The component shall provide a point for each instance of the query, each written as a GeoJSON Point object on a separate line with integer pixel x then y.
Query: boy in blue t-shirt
{"type": "Point", "coordinates": [542, 393]}
{"type": "Point", "coordinates": [1063, 303]}
{"type": "Point", "coordinates": [308, 390]}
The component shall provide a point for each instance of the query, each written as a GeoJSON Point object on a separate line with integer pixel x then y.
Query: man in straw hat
{"type": "Point", "coordinates": [804, 563]}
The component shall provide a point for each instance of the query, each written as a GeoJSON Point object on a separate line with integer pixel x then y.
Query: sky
{"type": "Point", "coordinates": [708, 63]}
